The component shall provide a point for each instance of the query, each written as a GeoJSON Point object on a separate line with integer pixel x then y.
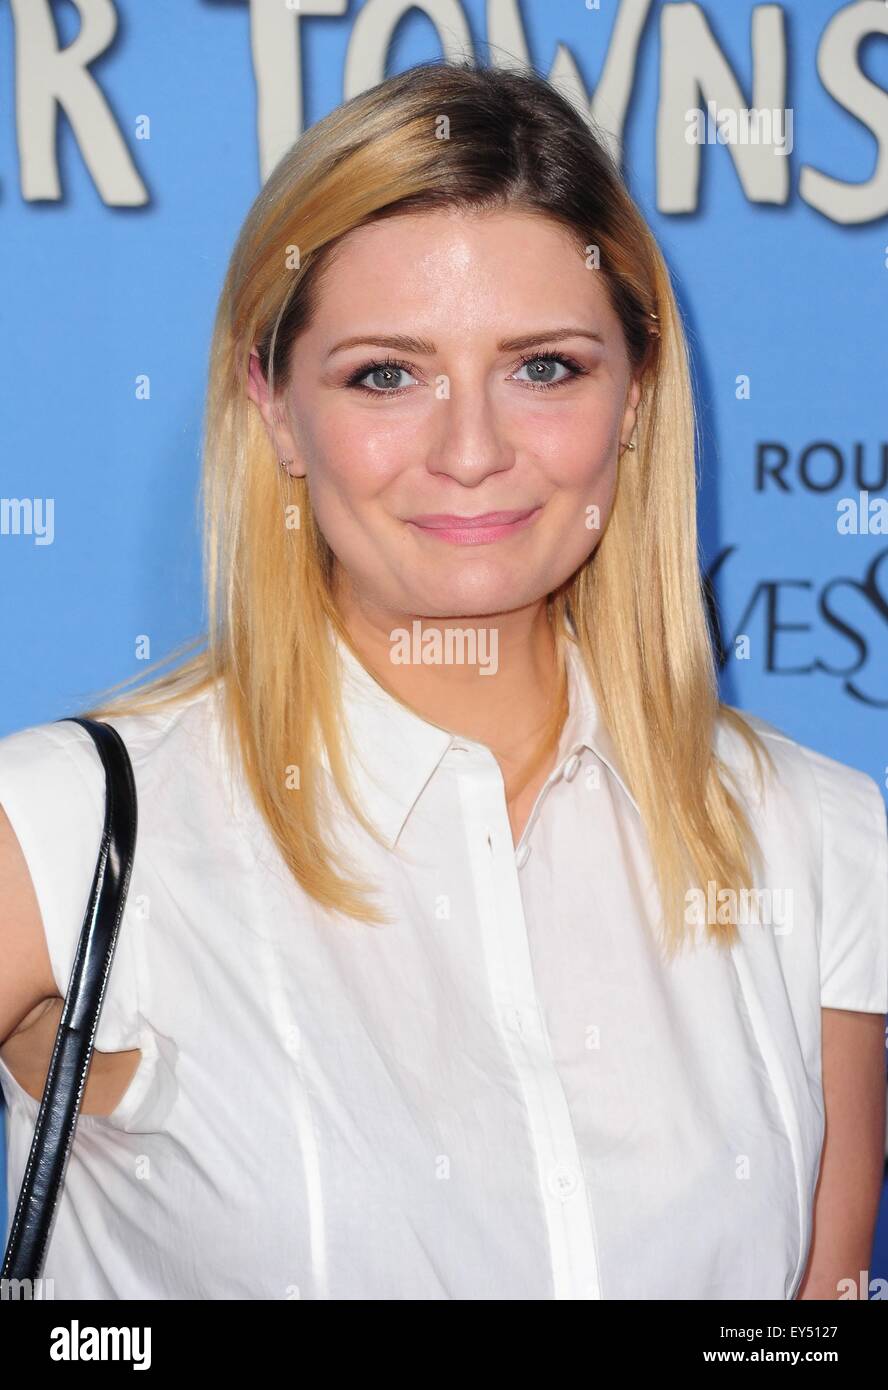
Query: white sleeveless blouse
{"type": "Point", "coordinates": [506, 1094]}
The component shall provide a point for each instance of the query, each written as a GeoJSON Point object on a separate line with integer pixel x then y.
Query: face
{"type": "Point", "coordinates": [457, 407]}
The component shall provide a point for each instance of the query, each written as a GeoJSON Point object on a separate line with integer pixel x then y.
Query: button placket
{"type": "Point", "coordinates": [567, 771]}
{"type": "Point", "coordinates": [500, 908]}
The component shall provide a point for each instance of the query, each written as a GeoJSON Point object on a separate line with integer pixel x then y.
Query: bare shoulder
{"type": "Point", "coordinates": [26, 982]}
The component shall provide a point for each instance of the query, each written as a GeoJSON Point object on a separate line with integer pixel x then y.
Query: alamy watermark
{"type": "Point", "coordinates": [449, 646]}
{"type": "Point", "coordinates": [28, 516]}
{"type": "Point", "coordinates": [862, 515]}
{"type": "Point", "coordinates": [86, 1343]}
{"type": "Point", "coordinates": [770, 907]}
{"type": "Point", "coordinates": [25, 1290]}
{"type": "Point", "coordinates": [743, 125]}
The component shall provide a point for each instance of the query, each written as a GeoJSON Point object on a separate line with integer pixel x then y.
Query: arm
{"type": "Point", "coordinates": [26, 979]}
{"type": "Point", "coordinates": [30, 1004]}
{"type": "Point", "coordinates": [849, 1187]}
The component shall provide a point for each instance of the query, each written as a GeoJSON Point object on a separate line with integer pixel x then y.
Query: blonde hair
{"type": "Point", "coordinates": [636, 605]}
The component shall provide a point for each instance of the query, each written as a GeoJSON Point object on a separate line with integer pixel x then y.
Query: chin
{"type": "Point", "coordinates": [465, 606]}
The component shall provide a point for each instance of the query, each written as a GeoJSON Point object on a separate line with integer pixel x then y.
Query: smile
{"type": "Point", "coordinates": [474, 530]}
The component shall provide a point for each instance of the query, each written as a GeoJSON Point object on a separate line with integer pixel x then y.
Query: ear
{"type": "Point", "coordinates": [274, 418]}
{"type": "Point", "coordinates": [629, 414]}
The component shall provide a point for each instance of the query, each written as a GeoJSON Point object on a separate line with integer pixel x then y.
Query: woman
{"type": "Point", "coordinates": [437, 978]}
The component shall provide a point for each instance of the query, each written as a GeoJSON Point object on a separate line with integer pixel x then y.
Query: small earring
{"type": "Point", "coordinates": [285, 463]}
{"type": "Point", "coordinates": [630, 445]}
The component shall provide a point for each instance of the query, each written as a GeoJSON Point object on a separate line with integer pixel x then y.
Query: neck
{"type": "Point", "coordinates": [511, 697]}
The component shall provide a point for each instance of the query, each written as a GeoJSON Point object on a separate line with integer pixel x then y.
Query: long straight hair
{"type": "Point", "coordinates": [456, 136]}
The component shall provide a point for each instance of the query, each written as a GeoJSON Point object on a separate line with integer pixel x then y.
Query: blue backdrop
{"type": "Point", "coordinates": [134, 136]}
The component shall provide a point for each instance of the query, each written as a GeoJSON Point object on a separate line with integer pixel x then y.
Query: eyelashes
{"type": "Point", "coordinates": [392, 364]}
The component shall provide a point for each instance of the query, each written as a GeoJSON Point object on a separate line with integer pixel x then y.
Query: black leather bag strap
{"type": "Point", "coordinates": [65, 1081]}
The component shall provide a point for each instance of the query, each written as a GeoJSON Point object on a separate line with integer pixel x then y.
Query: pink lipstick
{"type": "Point", "coordinates": [474, 530]}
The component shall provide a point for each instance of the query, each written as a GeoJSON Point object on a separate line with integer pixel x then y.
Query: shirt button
{"type": "Point", "coordinates": [521, 1020]}
{"type": "Point", "coordinates": [522, 855]}
{"type": "Point", "coordinates": [571, 767]}
{"type": "Point", "coordinates": [563, 1181]}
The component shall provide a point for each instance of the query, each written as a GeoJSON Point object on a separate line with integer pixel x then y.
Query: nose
{"type": "Point", "coordinates": [470, 441]}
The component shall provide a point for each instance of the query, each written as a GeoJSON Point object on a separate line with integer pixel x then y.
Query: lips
{"type": "Point", "coordinates": [441, 521]}
{"type": "Point", "coordinates": [480, 529]}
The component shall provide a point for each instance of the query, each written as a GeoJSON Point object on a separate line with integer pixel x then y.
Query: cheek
{"type": "Point", "coordinates": [579, 457]}
{"type": "Point", "coordinates": [580, 465]}
{"type": "Point", "coordinates": [354, 459]}
{"type": "Point", "coordinates": [350, 463]}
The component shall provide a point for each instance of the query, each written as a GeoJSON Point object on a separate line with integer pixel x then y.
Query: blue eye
{"type": "Point", "coordinates": [551, 359]}
{"type": "Point", "coordinates": [387, 370]}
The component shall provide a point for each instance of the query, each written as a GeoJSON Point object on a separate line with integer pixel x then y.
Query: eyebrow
{"type": "Point", "coordinates": [424, 348]}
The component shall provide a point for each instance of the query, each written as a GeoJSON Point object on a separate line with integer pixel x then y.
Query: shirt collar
{"type": "Point", "coordinates": [392, 753]}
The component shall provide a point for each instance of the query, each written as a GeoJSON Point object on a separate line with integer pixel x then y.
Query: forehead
{"type": "Point", "coordinates": [461, 268]}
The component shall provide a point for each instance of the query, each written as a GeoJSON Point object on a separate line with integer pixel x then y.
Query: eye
{"type": "Point", "coordinates": [541, 380]}
{"type": "Point", "coordinates": [386, 374]}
